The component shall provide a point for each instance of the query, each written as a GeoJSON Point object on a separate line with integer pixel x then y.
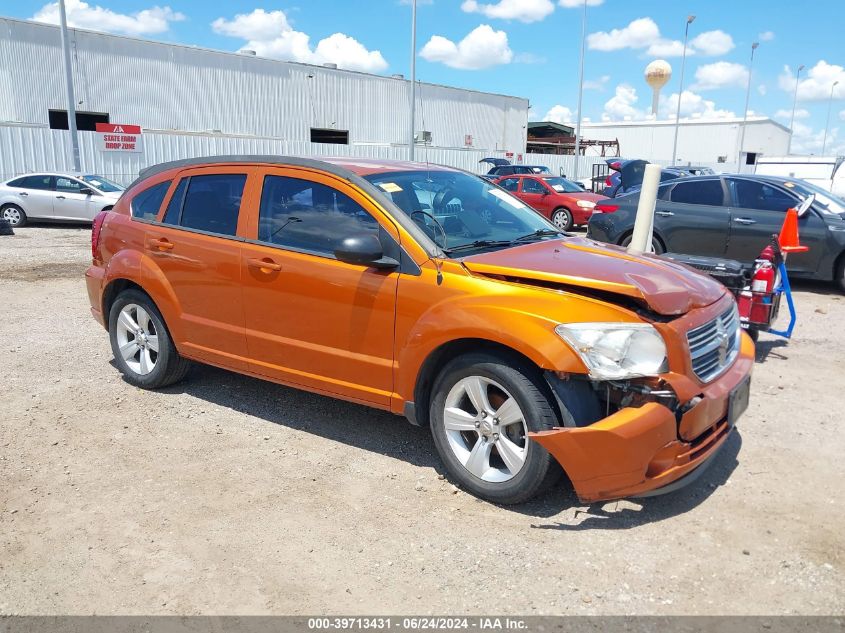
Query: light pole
{"type": "Point", "coordinates": [827, 123]}
{"type": "Point", "coordinates": [745, 112]}
{"type": "Point", "coordinates": [580, 93]}
{"type": "Point", "coordinates": [413, 78]}
{"type": "Point", "coordinates": [71, 100]}
{"type": "Point", "coordinates": [690, 19]}
{"type": "Point", "coordinates": [794, 102]}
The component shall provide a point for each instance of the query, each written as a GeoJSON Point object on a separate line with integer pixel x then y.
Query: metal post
{"type": "Point", "coordinates": [794, 102]}
{"type": "Point", "coordinates": [71, 100]}
{"type": "Point", "coordinates": [827, 123]}
{"type": "Point", "coordinates": [641, 241]}
{"type": "Point", "coordinates": [580, 94]}
{"type": "Point", "coordinates": [690, 19]}
{"type": "Point", "coordinates": [413, 77]}
{"type": "Point", "coordinates": [745, 112]}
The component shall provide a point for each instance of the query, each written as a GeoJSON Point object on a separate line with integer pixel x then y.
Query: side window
{"type": "Point", "coordinates": [705, 192]}
{"type": "Point", "coordinates": [44, 183]}
{"type": "Point", "coordinates": [146, 204]}
{"type": "Point", "coordinates": [310, 216]}
{"type": "Point", "coordinates": [757, 195]}
{"type": "Point", "coordinates": [17, 182]}
{"type": "Point", "coordinates": [212, 203]}
{"type": "Point", "coordinates": [68, 185]}
{"type": "Point", "coordinates": [529, 185]}
{"type": "Point", "coordinates": [510, 184]}
{"type": "Point", "coordinates": [174, 207]}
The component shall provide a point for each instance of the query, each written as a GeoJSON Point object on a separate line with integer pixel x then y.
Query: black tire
{"type": "Point", "coordinates": [526, 386]}
{"type": "Point", "coordinates": [562, 218]}
{"type": "Point", "coordinates": [656, 244]}
{"type": "Point", "coordinates": [14, 214]}
{"type": "Point", "coordinates": [840, 274]}
{"type": "Point", "coordinates": [5, 227]}
{"type": "Point", "coordinates": [169, 366]}
{"type": "Point", "coordinates": [754, 333]}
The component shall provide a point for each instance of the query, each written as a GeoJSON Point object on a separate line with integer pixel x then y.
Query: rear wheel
{"type": "Point", "coordinates": [14, 215]}
{"type": "Point", "coordinates": [840, 274]}
{"type": "Point", "coordinates": [482, 410]}
{"type": "Point", "coordinates": [562, 219]}
{"type": "Point", "coordinates": [656, 246]}
{"type": "Point", "coordinates": [142, 347]}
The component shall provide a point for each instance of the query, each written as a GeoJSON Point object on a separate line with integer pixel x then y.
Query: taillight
{"type": "Point", "coordinates": [608, 182]}
{"type": "Point", "coordinates": [603, 207]}
{"type": "Point", "coordinates": [96, 228]}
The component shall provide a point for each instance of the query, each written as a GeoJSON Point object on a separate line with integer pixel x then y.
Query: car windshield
{"type": "Point", "coordinates": [103, 184]}
{"type": "Point", "coordinates": [826, 202]}
{"type": "Point", "coordinates": [562, 185]}
{"type": "Point", "coordinates": [463, 213]}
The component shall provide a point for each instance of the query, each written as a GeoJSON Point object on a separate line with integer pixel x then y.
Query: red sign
{"type": "Point", "coordinates": [117, 137]}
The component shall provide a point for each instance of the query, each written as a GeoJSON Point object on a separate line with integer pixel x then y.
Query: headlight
{"type": "Point", "coordinates": [613, 351]}
{"type": "Point", "coordinates": [586, 204]}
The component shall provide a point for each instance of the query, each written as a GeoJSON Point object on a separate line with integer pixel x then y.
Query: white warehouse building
{"type": "Point", "coordinates": [191, 101]}
{"type": "Point", "coordinates": [709, 142]}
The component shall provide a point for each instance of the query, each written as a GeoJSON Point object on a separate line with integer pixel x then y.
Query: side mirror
{"type": "Point", "coordinates": [546, 192]}
{"type": "Point", "coordinates": [364, 249]}
{"type": "Point", "coordinates": [805, 205]}
{"type": "Point", "coordinates": [87, 191]}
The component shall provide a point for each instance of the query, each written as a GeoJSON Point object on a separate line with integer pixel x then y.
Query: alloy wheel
{"type": "Point", "coordinates": [137, 339]}
{"type": "Point", "coordinates": [562, 220]}
{"type": "Point", "coordinates": [13, 215]}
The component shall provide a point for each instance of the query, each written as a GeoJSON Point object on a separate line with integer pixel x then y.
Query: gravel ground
{"type": "Point", "coordinates": [228, 495]}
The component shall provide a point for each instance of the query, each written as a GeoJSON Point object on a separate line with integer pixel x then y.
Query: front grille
{"type": "Point", "coordinates": [714, 345]}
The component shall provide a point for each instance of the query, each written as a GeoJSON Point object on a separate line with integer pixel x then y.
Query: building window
{"type": "Point", "coordinates": [336, 137]}
{"type": "Point", "coordinates": [85, 121]}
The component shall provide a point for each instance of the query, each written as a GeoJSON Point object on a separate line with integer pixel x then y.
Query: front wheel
{"type": "Point", "coordinates": [482, 409]}
{"type": "Point", "coordinates": [14, 215]}
{"type": "Point", "coordinates": [562, 219]}
{"type": "Point", "coordinates": [656, 246]}
{"type": "Point", "coordinates": [840, 274]}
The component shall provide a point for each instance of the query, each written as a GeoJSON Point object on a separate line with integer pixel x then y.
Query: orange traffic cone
{"type": "Point", "coordinates": [789, 242]}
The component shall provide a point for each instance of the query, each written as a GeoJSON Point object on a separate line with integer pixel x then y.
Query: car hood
{"type": "Point", "coordinates": [664, 286]}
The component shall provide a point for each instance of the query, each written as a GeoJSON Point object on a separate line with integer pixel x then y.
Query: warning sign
{"type": "Point", "coordinates": [115, 137]}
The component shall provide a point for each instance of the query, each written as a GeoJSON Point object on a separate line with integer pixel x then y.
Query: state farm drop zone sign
{"type": "Point", "coordinates": [114, 137]}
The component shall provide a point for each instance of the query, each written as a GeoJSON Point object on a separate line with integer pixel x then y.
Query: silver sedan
{"type": "Point", "coordinates": [56, 197]}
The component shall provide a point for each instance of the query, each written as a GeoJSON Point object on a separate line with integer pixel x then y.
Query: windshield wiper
{"type": "Point", "coordinates": [536, 234]}
{"type": "Point", "coordinates": [477, 244]}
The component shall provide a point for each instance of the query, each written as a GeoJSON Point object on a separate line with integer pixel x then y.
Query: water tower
{"type": "Point", "coordinates": [657, 75]}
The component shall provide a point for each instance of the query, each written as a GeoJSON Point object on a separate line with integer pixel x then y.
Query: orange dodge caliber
{"type": "Point", "coordinates": [431, 293]}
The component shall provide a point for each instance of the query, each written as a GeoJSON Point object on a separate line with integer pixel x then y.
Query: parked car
{"type": "Point", "coordinates": [734, 216]}
{"type": "Point", "coordinates": [510, 170]}
{"type": "Point", "coordinates": [627, 176]}
{"type": "Point", "coordinates": [697, 170]}
{"type": "Point", "coordinates": [562, 201]}
{"type": "Point", "coordinates": [56, 197]}
{"type": "Point", "coordinates": [464, 310]}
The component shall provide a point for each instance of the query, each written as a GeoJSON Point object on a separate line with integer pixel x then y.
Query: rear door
{"type": "Point", "coordinates": [35, 194]}
{"type": "Point", "coordinates": [693, 217]}
{"type": "Point", "coordinates": [196, 248]}
{"type": "Point", "coordinates": [758, 211]}
{"type": "Point", "coordinates": [312, 320]}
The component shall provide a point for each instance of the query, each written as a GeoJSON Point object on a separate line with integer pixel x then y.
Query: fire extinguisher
{"type": "Point", "coordinates": [763, 280]}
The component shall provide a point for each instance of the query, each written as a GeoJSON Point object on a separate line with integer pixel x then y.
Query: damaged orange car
{"type": "Point", "coordinates": [434, 294]}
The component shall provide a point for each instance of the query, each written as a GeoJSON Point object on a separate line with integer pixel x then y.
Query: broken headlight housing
{"type": "Point", "coordinates": [616, 351]}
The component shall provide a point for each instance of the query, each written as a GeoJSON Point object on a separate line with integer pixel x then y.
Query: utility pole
{"type": "Point", "coordinates": [71, 100]}
{"type": "Point", "coordinates": [827, 123]}
{"type": "Point", "coordinates": [413, 77]}
{"type": "Point", "coordinates": [690, 20]}
{"type": "Point", "coordinates": [745, 112]}
{"type": "Point", "coordinates": [794, 103]}
{"type": "Point", "coordinates": [580, 93]}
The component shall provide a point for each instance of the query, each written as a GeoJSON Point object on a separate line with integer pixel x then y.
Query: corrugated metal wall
{"type": "Point", "coordinates": [25, 148]}
{"type": "Point", "coordinates": [173, 87]}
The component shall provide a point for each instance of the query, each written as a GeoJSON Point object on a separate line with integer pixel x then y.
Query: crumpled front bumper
{"type": "Point", "coordinates": [640, 450]}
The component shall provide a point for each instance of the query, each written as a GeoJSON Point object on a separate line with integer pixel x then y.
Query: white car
{"type": "Point", "coordinates": [56, 197]}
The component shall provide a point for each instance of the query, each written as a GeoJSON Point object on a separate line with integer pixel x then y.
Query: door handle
{"type": "Point", "coordinates": [60, 197]}
{"type": "Point", "coordinates": [264, 265]}
{"type": "Point", "coordinates": [23, 193]}
{"type": "Point", "coordinates": [745, 221]}
{"type": "Point", "coordinates": [665, 214]}
{"type": "Point", "coordinates": [161, 244]}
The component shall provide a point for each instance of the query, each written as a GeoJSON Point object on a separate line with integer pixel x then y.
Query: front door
{"type": "Point", "coordinates": [312, 320]}
{"type": "Point", "coordinates": [692, 218]}
{"type": "Point", "coordinates": [196, 250]}
{"type": "Point", "coordinates": [535, 195]}
{"type": "Point", "coordinates": [758, 212]}
{"type": "Point", "coordinates": [69, 203]}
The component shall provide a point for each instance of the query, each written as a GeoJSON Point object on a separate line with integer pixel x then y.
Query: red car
{"type": "Point", "coordinates": [559, 199]}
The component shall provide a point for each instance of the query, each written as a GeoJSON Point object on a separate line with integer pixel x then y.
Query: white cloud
{"type": "Point", "coordinates": [522, 10]}
{"type": "Point", "coordinates": [693, 106]}
{"type": "Point", "coordinates": [841, 114]}
{"type": "Point", "coordinates": [270, 34]}
{"type": "Point", "coordinates": [638, 34]}
{"type": "Point", "coordinates": [720, 75]}
{"type": "Point", "coordinates": [762, 89]}
{"type": "Point", "coordinates": [85, 16]}
{"type": "Point", "coordinates": [818, 82]}
{"type": "Point", "coordinates": [766, 36]}
{"type": "Point", "coordinates": [784, 114]}
{"type": "Point", "coordinates": [597, 84]}
{"type": "Point", "coordinates": [577, 4]}
{"type": "Point", "coordinates": [622, 105]}
{"type": "Point", "coordinates": [806, 140]}
{"type": "Point", "coordinates": [712, 43]}
{"type": "Point", "coordinates": [668, 48]}
{"type": "Point", "coordinates": [560, 114]}
{"type": "Point", "coordinates": [481, 48]}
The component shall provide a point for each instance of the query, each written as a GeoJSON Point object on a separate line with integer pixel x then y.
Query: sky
{"type": "Point", "coordinates": [531, 48]}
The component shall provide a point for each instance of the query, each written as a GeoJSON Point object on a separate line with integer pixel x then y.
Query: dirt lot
{"type": "Point", "coordinates": [226, 494]}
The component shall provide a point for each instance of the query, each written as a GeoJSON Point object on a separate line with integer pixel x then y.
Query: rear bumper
{"type": "Point", "coordinates": [641, 451]}
{"type": "Point", "coordinates": [94, 277]}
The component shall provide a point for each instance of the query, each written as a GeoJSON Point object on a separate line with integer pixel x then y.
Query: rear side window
{"type": "Point", "coordinates": [705, 192]}
{"type": "Point", "coordinates": [146, 204]}
{"type": "Point", "coordinates": [309, 216]}
{"type": "Point", "coordinates": [511, 184]}
{"type": "Point", "coordinates": [212, 203]}
{"type": "Point", "coordinates": [34, 182]}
